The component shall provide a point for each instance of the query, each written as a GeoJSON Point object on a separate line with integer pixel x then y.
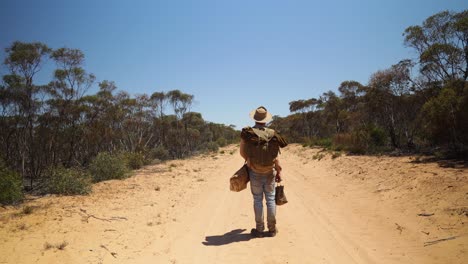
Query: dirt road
{"type": "Point", "coordinates": [342, 210]}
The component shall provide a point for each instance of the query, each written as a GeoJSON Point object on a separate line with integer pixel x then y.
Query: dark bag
{"type": "Point", "coordinates": [239, 180]}
{"type": "Point", "coordinates": [280, 197]}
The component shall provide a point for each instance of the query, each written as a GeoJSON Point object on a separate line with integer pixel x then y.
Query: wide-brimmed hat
{"type": "Point", "coordinates": [260, 115]}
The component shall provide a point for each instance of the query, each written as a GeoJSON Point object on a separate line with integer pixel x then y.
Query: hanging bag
{"type": "Point", "coordinates": [239, 180]}
{"type": "Point", "coordinates": [280, 197]}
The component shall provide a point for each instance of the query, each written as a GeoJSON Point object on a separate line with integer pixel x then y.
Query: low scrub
{"type": "Point", "coordinates": [314, 142]}
{"type": "Point", "coordinates": [221, 142]}
{"type": "Point", "coordinates": [160, 153]}
{"type": "Point", "coordinates": [68, 181]}
{"type": "Point", "coordinates": [212, 146]}
{"type": "Point", "coordinates": [10, 186]}
{"type": "Point", "coordinates": [348, 141]}
{"type": "Point", "coordinates": [107, 166]}
{"type": "Point", "coordinates": [134, 160]}
{"type": "Point", "coordinates": [363, 140]}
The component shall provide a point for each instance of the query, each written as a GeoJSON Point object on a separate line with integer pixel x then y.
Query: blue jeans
{"type": "Point", "coordinates": [263, 184]}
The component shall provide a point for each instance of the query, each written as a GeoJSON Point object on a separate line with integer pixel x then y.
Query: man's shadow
{"type": "Point", "coordinates": [228, 238]}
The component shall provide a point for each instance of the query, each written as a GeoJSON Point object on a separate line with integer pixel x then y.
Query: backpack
{"type": "Point", "coordinates": [262, 145]}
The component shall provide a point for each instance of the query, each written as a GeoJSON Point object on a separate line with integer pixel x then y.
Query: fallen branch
{"type": "Point", "coordinates": [112, 253]}
{"type": "Point", "coordinates": [447, 228]}
{"type": "Point", "coordinates": [118, 218]}
{"type": "Point", "coordinates": [102, 219]}
{"type": "Point", "coordinates": [425, 214]}
{"type": "Point", "coordinates": [430, 243]}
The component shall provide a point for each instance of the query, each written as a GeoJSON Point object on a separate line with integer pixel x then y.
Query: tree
{"type": "Point", "coordinates": [444, 117]}
{"type": "Point", "coordinates": [442, 45]}
{"type": "Point", "coordinates": [70, 83]}
{"type": "Point", "coordinates": [24, 61]}
{"type": "Point", "coordinates": [390, 98]}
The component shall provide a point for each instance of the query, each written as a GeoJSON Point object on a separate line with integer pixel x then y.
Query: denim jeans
{"type": "Point", "coordinates": [263, 184]}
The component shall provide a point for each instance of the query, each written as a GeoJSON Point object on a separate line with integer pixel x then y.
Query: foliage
{"type": "Point", "coordinates": [324, 142]}
{"type": "Point", "coordinates": [134, 160]}
{"type": "Point", "coordinates": [62, 124]}
{"type": "Point", "coordinates": [11, 190]}
{"type": "Point", "coordinates": [221, 142]}
{"type": "Point", "coordinates": [160, 153]}
{"type": "Point", "coordinates": [444, 117]}
{"type": "Point", "coordinates": [212, 146]}
{"type": "Point", "coordinates": [107, 166]}
{"type": "Point", "coordinates": [397, 109]}
{"type": "Point", "coordinates": [69, 181]}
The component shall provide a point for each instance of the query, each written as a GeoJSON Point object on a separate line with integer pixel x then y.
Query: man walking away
{"type": "Point", "coordinates": [260, 146]}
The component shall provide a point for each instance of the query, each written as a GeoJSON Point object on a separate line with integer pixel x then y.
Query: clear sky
{"type": "Point", "coordinates": [232, 55]}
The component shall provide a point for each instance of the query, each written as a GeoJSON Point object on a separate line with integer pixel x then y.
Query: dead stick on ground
{"type": "Point", "coordinates": [430, 243]}
{"type": "Point", "coordinates": [112, 253]}
{"type": "Point", "coordinates": [426, 214]}
{"type": "Point", "coordinates": [102, 219]}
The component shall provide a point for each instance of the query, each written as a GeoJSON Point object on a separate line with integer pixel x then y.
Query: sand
{"type": "Point", "coordinates": [347, 209]}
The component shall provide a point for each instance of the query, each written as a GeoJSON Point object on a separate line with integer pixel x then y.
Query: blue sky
{"type": "Point", "coordinates": [232, 55]}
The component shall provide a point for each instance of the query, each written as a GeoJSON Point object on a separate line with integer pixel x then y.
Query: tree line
{"type": "Point", "coordinates": [414, 105]}
{"type": "Point", "coordinates": [62, 125]}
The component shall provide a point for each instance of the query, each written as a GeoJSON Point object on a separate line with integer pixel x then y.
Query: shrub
{"type": "Point", "coordinates": [336, 154]}
{"type": "Point", "coordinates": [318, 156]}
{"type": "Point", "coordinates": [325, 142]}
{"type": "Point", "coordinates": [107, 166]}
{"type": "Point", "coordinates": [212, 146]}
{"type": "Point", "coordinates": [343, 141]}
{"type": "Point", "coordinates": [160, 152]}
{"type": "Point", "coordinates": [10, 186]}
{"type": "Point", "coordinates": [134, 160]}
{"type": "Point", "coordinates": [378, 136]}
{"type": "Point", "coordinates": [27, 210]}
{"type": "Point", "coordinates": [221, 142]}
{"type": "Point", "coordinates": [68, 181]}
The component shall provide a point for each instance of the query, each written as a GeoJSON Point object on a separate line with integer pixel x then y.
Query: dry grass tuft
{"type": "Point", "coordinates": [48, 246]}
{"type": "Point", "coordinates": [60, 246]}
{"type": "Point", "coordinates": [27, 210]}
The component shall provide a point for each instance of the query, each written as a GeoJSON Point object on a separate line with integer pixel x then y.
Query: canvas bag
{"type": "Point", "coordinates": [280, 197]}
{"type": "Point", "coordinates": [239, 180]}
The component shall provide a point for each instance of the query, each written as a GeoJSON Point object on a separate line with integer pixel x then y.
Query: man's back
{"type": "Point", "coordinates": [260, 147]}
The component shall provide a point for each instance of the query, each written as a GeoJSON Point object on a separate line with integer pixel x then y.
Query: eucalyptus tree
{"type": "Point", "coordinates": [24, 61]}
{"type": "Point", "coordinates": [69, 85]}
{"type": "Point", "coordinates": [442, 45]}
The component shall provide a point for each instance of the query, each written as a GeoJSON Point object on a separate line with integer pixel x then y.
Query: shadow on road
{"type": "Point", "coordinates": [228, 238]}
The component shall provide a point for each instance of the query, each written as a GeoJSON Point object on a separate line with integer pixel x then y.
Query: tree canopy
{"type": "Point", "coordinates": [61, 124]}
{"type": "Point", "coordinates": [412, 105]}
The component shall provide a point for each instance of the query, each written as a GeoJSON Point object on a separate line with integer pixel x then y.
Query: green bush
{"type": "Point", "coordinates": [134, 160]}
{"type": "Point", "coordinates": [325, 142]}
{"type": "Point", "coordinates": [107, 166]}
{"type": "Point", "coordinates": [212, 146]}
{"type": "Point", "coordinates": [160, 152]}
{"type": "Point", "coordinates": [378, 136]}
{"type": "Point", "coordinates": [10, 186]}
{"type": "Point", "coordinates": [221, 142]}
{"type": "Point", "coordinates": [68, 181]}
